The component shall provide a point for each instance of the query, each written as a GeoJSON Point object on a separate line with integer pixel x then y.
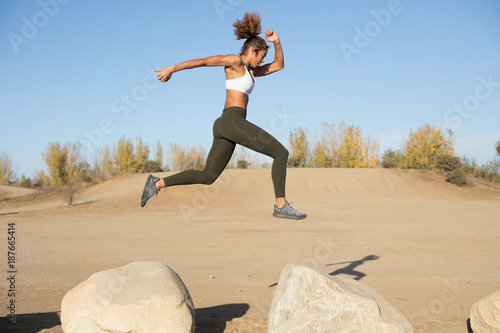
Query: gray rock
{"type": "Point", "coordinates": [485, 314]}
{"type": "Point", "coordinates": [310, 301]}
{"type": "Point", "coordinates": [141, 297]}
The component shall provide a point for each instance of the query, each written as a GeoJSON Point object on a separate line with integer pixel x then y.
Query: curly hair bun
{"type": "Point", "coordinates": [248, 27]}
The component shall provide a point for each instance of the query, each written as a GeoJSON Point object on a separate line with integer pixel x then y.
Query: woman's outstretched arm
{"type": "Point", "coordinates": [278, 62]}
{"type": "Point", "coordinates": [230, 60]}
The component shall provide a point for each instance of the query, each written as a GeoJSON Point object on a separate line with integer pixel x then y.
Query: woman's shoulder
{"type": "Point", "coordinates": [234, 61]}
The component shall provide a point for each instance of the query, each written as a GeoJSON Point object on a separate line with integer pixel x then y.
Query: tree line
{"type": "Point", "coordinates": [338, 146]}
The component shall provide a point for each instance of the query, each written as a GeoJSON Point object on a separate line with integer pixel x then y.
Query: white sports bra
{"type": "Point", "coordinates": [244, 84]}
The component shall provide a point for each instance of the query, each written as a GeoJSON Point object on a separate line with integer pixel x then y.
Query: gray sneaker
{"type": "Point", "coordinates": [150, 189]}
{"type": "Point", "coordinates": [287, 212]}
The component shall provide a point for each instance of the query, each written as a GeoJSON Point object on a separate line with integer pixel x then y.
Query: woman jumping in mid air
{"type": "Point", "coordinates": [231, 127]}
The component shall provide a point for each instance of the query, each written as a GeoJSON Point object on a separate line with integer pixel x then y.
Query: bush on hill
{"type": "Point", "coordinates": [448, 163]}
{"type": "Point", "coordinates": [457, 177]}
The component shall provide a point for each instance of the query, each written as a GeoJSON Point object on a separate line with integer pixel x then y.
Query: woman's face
{"type": "Point", "coordinates": [258, 58]}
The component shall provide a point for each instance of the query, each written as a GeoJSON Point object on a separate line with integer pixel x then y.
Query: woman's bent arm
{"type": "Point", "coordinates": [278, 62]}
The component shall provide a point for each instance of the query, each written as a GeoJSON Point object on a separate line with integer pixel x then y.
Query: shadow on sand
{"type": "Point", "coordinates": [213, 319]}
{"type": "Point", "coordinates": [31, 322]}
{"type": "Point", "coordinates": [208, 320]}
{"type": "Point", "coordinates": [350, 268]}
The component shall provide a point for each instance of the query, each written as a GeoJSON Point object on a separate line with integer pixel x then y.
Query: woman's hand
{"type": "Point", "coordinates": [165, 74]}
{"type": "Point", "coordinates": [271, 36]}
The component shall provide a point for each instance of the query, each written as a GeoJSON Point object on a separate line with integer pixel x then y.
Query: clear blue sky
{"type": "Point", "coordinates": [76, 68]}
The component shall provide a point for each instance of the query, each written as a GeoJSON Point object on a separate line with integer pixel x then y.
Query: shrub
{"type": "Point", "coordinates": [69, 190]}
{"type": "Point", "coordinates": [392, 159]}
{"type": "Point", "coordinates": [293, 162]}
{"type": "Point", "coordinates": [242, 164]}
{"type": "Point", "coordinates": [87, 179]}
{"type": "Point", "coordinates": [457, 177]}
{"type": "Point", "coordinates": [152, 166]}
{"type": "Point", "coordinates": [448, 163]}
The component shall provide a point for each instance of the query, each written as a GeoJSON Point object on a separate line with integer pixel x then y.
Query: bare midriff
{"type": "Point", "coordinates": [236, 98]}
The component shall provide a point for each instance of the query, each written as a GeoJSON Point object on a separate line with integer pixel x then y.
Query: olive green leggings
{"type": "Point", "coordinates": [229, 129]}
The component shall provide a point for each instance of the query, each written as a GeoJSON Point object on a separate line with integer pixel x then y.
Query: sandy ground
{"type": "Point", "coordinates": [430, 248]}
{"type": "Point", "coordinates": [7, 192]}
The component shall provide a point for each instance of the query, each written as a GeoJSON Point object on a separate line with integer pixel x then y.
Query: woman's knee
{"type": "Point", "coordinates": [208, 178]}
{"type": "Point", "coordinates": [283, 152]}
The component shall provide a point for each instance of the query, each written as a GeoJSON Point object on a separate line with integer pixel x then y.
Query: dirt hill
{"type": "Point", "coordinates": [427, 246]}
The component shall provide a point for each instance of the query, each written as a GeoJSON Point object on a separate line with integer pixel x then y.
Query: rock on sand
{"type": "Point", "coordinates": [310, 301]}
{"type": "Point", "coordinates": [141, 297]}
{"type": "Point", "coordinates": [485, 314]}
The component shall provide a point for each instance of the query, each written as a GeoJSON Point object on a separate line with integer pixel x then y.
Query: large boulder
{"type": "Point", "coordinates": [485, 314]}
{"type": "Point", "coordinates": [310, 301]}
{"type": "Point", "coordinates": [141, 297]}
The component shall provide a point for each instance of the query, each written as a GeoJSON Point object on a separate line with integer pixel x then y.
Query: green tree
{"type": "Point", "coordinates": [25, 182]}
{"type": "Point", "coordinates": [393, 159]}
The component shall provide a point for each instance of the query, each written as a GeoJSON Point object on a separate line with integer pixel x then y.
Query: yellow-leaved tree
{"type": "Point", "coordinates": [352, 151]}
{"type": "Point", "coordinates": [6, 173]}
{"type": "Point", "coordinates": [65, 163]}
{"type": "Point", "coordinates": [356, 151]}
{"type": "Point", "coordinates": [159, 153]}
{"type": "Point", "coordinates": [56, 158]}
{"type": "Point", "coordinates": [41, 179]}
{"type": "Point", "coordinates": [103, 164]}
{"type": "Point", "coordinates": [345, 147]}
{"type": "Point", "coordinates": [141, 155]}
{"type": "Point", "coordinates": [425, 144]}
{"type": "Point", "coordinates": [123, 156]}
{"type": "Point", "coordinates": [299, 149]}
{"type": "Point", "coordinates": [186, 159]}
{"type": "Point", "coordinates": [75, 164]}
{"type": "Point", "coordinates": [325, 153]}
